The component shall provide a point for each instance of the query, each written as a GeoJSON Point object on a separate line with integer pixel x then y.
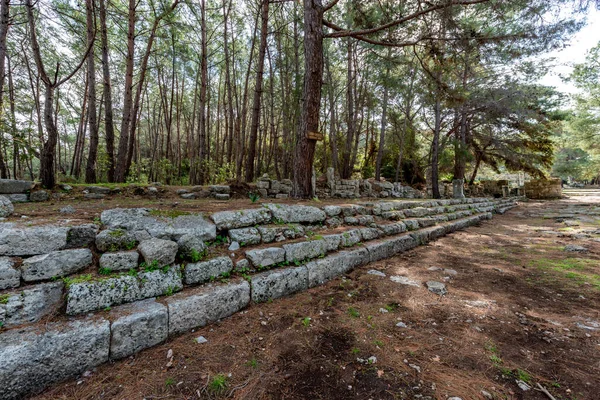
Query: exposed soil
{"type": "Point", "coordinates": [519, 307]}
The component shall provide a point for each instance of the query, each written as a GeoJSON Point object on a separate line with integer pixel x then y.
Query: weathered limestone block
{"type": "Point", "coordinates": [120, 261]}
{"type": "Point", "coordinates": [333, 222]}
{"type": "Point", "coordinates": [281, 232]}
{"type": "Point", "coordinates": [332, 242]}
{"type": "Point", "coordinates": [411, 224]}
{"type": "Point", "coordinates": [332, 211]}
{"type": "Point", "coordinates": [425, 222]}
{"type": "Point", "coordinates": [241, 218]}
{"type": "Point", "coordinates": [31, 304]}
{"type": "Point", "coordinates": [220, 189]}
{"type": "Point", "coordinates": [158, 250]}
{"type": "Point", "coordinates": [245, 236]}
{"type": "Point", "coordinates": [33, 359]}
{"type": "Point", "coordinates": [350, 220]}
{"type": "Point", "coordinates": [9, 276]}
{"type": "Point", "coordinates": [323, 270]}
{"type": "Point", "coordinates": [297, 213]}
{"type": "Point", "coordinates": [89, 296]}
{"type": "Point", "coordinates": [403, 243]}
{"type": "Point", "coordinates": [350, 238]}
{"type": "Point", "coordinates": [393, 215]}
{"type": "Point", "coordinates": [56, 264]}
{"type": "Point", "coordinates": [380, 250]}
{"type": "Point", "coordinates": [222, 196]}
{"type": "Point", "coordinates": [393, 229]}
{"type": "Point", "coordinates": [416, 212]}
{"type": "Point", "coordinates": [305, 250]}
{"type": "Point", "coordinates": [115, 239]}
{"type": "Point", "coordinates": [6, 207]}
{"type": "Point", "coordinates": [81, 236]}
{"type": "Point", "coordinates": [32, 241]}
{"type": "Point", "coordinates": [17, 198]}
{"type": "Point", "coordinates": [8, 186]}
{"type": "Point", "coordinates": [266, 257]}
{"type": "Point", "coordinates": [198, 308]}
{"type": "Point", "coordinates": [137, 326]}
{"type": "Point", "coordinates": [275, 284]}
{"type": "Point", "coordinates": [190, 244]}
{"type": "Point", "coordinates": [204, 271]}
{"type": "Point", "coordinates": [160, 282]}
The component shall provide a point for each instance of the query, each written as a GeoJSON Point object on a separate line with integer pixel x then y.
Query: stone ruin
{"type": "Point", "coordinates": [543, 188]}
{"type": "Point", "coordinates": [138, 277]}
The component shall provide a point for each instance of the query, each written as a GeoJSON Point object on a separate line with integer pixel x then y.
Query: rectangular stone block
{"type": "Point", "coordinates": [275, 284]}
{"type": "Point", "coordinates": [350, 238]}
{"type": "Point", "coordinates": [197, 308]}
{"type": "Point", "coordinates": [204, 271]}
{"type": "Point", "coordinates": [245, 236]}
{"type": "Point", "coordinates": [393, 229]}
{"type": "Point", "coordinates": [137, 326]}
{"type": "Point", "coordinates": [33, 359]}
{"type": "Point", "coordinates": [32, 241]}
{"type": "Point", "coordinates": [55, 264]}
{"type": "Point", "coordinates": [305, 250]}
{"type": "Point", "coordinates": [241, 218]}
{"type": "Point", "coordinates": [8, 186]}
{"type": "Point", "coordinates": [380, 250]}
{"type": "Point", "coordinates": [266, 257]}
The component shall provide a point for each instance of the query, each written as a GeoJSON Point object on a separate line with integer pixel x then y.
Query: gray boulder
{"type": "Point", "coordinates": [6, 207]}
{"type": "Point", "coordinates": [120, 261]}
{"type": "Point", "coordinates": [204, 271]}
{"type": "Point", "coordinates": [33, 359]}
{"type": "Point", "coordinates": [137, 326]}
{"type": "Point", "coordinates": [436, 287]}
{"type": "Point", "coordinates": [98, 189]}
{"type": "Point", "coordinates": [31, 304]}
{"type": "Point", "coordinates": [9, 276]}
{"type": "Point", "coordinates": [18, 198]}
{"type": "Point", "coordinates": [32, 241]}
{"type": "Point", "coordinates": [159, 250]}
{"type": "Point", "coordinates": [8, 186]}
{"type": "Point", "coordinates": [190, 244]}
{"type": "Point", "coordinates": [55, 264]}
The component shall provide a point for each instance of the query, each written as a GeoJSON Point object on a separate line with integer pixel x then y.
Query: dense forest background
{"type": "Point", "coordinates": [209, 91]}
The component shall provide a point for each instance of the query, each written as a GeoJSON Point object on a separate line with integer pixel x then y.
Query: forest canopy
{"type": "Point", "coordinates": [211, 91]}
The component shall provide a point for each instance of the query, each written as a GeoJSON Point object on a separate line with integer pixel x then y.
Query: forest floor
{"type": "Point", "coordinates": [523, 305]}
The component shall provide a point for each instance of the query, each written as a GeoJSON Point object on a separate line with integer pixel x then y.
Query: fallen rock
{"type": "Point", "coordinates": [404, 281]}
{"type": "Point", "coordinates": [376, 273]}
{"type": "Point", "coordinates": [436, 287]}
{"type": "Point", "coordinates": [39, 195]}
{"type": "Point", "coordinates": [67, 210]}
{"type": "Point", "coordinates": [576, 249]}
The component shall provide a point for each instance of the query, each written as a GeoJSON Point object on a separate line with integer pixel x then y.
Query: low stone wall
{"type": "Point", "coordinates": [272, 188]}
{"type": "Point", "coordinates": [543, 189]}
{"type": "Point", "coordinates": [170, 284]}
{"type": "Point", "coordinates": [21, 191]}
{"type": "Point", "coordinates": [357, 188]}
{"type": "Point", "coordinates": [219, 192]}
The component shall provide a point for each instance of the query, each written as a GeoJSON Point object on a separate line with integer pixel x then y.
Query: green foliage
{"type": "Point", "coordinates": [218, 384]}
{"type": "Point", "coordinates": [4, 298]}
{"type": "Point", "coordinates": [306, 322]}
{"type": "Point", "coordinates": [105, 271]}
{"type": "Point", "coordinates": [254, 197]}
{"type": "Point", "coordinates": [353, 312]}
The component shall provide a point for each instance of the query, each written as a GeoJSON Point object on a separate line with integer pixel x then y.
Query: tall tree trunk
{"type": "Point", "coordinates": [383, 123]}
{"type": "Point", "coordinates": [435, 147]}
{"type": "Point", "coordinates": [250, 159]}
{"type": "Point", "coordinates": [121, 168]}
{"type": "Point", "coordinates": [109, 128]}
{"type": "Point", "coordinates": [313, 80]}
{"type": "Point", "coordinates": [202, 143]}
{"type": "Point", "coordinates": [347, 167]}
{"type": "Point", "coordinates": [4, 21]}
{"type": "Point", "coordinates": [90, 170]}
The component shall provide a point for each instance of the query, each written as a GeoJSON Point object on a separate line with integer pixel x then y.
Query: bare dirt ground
{"type": "Point", "coordinates": [520, 307]}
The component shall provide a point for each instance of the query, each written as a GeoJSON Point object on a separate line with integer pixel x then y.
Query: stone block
{"type": "Point", "coordinates": [120, 261]}
{"type": "Point", "coordinates": [6, 207]}
{"type": "Point", "coordinates": [350, 238]}
{"type": "Point", "coordinates": [160, 282]}
{"type": "Point", "coordinates": [370, 234]}
{"type": "Point", "coordinates": [39, 195]}
{"type": "Point", "coordinates": [221, 196]}
{"type": "Point", "coordinates": [89, 296]}
{"type": "Point", "coordinates": [158, 251]}
{"type": "Point", "coordinates": [137, 326]}
{"type": "Point", "coordinates": [245, 236]}
{"type": "Point", "coordinates": [8, 186]}
{"type": "Point", "coordinates": [9, 276]}
{"type": "Point", "coordinates": [56, 264]}
{"type": "Point", "coordinates": [17, 197]}
{"type": "Point", "coordinates": [332, 211]}
{"type": "Point", "coordinates": [380, 250]}
{"type": "Point", "coordinates": [31, 304]}
{"type": "Point", "coordinates": [33, 359]}
{"type": "Point", "coordinates": [275, 284]}
{"type": "Point", "coordinates": [81, 236]}
{"type": "Point", "coordinates": [32, 241]}
{"type": "Point", "coordinates": [393, 229]}
{"type": "Point", "coordinates": [241, 218]}
{"type": "Point", "coordinates": [332, 242]}
{"type": "Point", "coordinates": [191, 244]}
{"type": "Point", "coordinates": [220, 189]}
{"type": "Point", "coordinates": [266, 257]}
{"type": "Point", "coordinates": [204, 271]}
{"type": "Point", "coordinates": [416, 212]}
{"type": "Point", "coordinates": [296, 213]}
{"type": "Point", "coordinates": [116, 239]}
{"type": "Point", "coordinates": [202, 306]}
{"type": "Point", "coordinates": [323, 270]}
{"type": "Point", "coordinates": [305, 250]}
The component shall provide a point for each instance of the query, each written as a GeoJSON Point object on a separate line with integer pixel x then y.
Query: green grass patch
{"type": "Point", "coordinates": [577, 270]}
{"type": "Point", "coordinates": [168, 213]}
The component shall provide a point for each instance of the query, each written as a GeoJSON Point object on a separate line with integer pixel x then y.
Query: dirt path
{"type": "Point", "coordinates": [519, 307]}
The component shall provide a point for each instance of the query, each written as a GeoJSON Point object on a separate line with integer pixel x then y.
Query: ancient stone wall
{"type": "Point", "coordinates": [106, 291]}
{"type": "Point", "coordinates": [543, 188]}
